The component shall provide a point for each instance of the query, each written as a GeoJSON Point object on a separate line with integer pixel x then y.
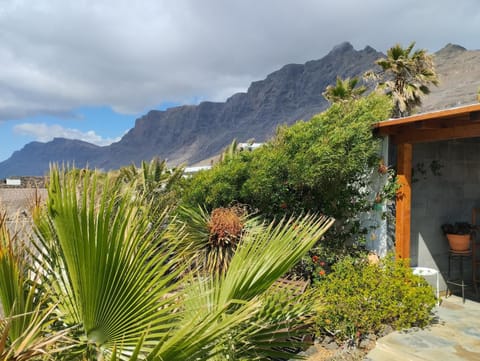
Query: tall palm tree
{"type": "Point", "coordinates": [117, 292]}
{"type": "Point", "coordinates": [344, 90]}
{"type": "Point", "coordinates": [405, 76]}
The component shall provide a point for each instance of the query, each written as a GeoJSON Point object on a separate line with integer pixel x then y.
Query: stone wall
{"type": "Point", "coordinates": [445, 188]}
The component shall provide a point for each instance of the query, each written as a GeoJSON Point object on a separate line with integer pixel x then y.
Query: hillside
{"type": "Point", "coordinates": [192, 133]}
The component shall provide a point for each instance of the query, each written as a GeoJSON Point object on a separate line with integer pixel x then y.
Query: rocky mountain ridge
{"type": "Point", "coordinates": [192, 133]}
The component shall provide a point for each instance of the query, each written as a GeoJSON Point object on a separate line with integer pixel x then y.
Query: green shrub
{"type": "Point", "coordinates": [359, 297]}
{"type": "Point", "coordinates": [220, 186]}
{"type": "Point", "coordinates": [320, 166]}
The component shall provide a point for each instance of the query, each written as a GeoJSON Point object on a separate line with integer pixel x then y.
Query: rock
{"type": "Point", "coordinates": [326, 340]}
{"type": "Point", "coordinates": [331, 346]}
{"type": "Point", "coordinates": [386, 330]}
{"type": "Point", "coordinates": [367, 341]}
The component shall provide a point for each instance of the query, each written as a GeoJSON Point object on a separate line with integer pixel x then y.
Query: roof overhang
{"type": "Point", "coordinates": [454, 123]}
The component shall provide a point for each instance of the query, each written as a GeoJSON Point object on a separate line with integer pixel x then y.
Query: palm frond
{"type": "Point", "coordinates": [119, 279]}
{"type": "Point", "coordinates": [220, 301]}
{"type": "Point", "coordinates": [268, 252]}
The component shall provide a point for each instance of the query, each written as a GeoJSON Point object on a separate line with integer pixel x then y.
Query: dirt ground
{"type": "Point", "coordinates": [319, 352]}
{"type": "Point", "coordinates": [19, 200]}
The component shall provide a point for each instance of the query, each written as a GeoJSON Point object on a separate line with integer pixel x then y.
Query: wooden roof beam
{"type": "Point", "coordinates": [449, 117]}
{"type": "Point", "coordinates": [412, 136]}
{"type": "Point", "coordinates": [475, 116]}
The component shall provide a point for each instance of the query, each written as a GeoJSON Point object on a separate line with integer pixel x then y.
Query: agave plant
{"type": "Point", "coordinates": [116, 290]}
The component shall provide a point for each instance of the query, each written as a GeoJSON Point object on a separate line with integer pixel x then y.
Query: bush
{"type": "Point", "coordinates": [359, 297]}
{"type": "Point", "coordinates": [220, 186]}
{"type": "Point", "coordinates": [322, 165]}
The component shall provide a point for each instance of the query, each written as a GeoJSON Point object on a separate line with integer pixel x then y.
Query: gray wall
{"type": "Point", "coordinates": [445, 198]}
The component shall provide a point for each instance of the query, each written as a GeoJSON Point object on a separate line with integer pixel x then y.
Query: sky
{"type": "Point", "coordinates": [86, 69]}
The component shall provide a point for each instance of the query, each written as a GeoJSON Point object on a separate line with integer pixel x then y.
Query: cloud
{"type": "Point", "coordinates": [43, 132]}
{"type": "Point", "coordinates": [58, 55]}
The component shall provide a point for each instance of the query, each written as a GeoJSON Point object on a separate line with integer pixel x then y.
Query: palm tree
{"type": "Point", "coordinates": [344, 90]}
{"type": "Point", "coordinates": [106, 282]}
{"type": "Point", "coordinates": [153, 180]}
{"type": "Point", "coordinates": [405, 77]}
{"type": "Point", "coordinates": [230, 152]}
{"type": "Point", "coordinates": [213, 236]}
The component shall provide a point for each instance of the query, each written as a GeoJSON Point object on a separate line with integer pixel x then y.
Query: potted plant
{"type": "Point", "coordinates": [458, 235]}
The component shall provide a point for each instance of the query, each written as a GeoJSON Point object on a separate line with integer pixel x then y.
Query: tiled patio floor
{"type": "Point", "coordinates": [454, 336]}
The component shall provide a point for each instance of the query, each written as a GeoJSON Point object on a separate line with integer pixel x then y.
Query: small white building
{"type": "Point", "coordinates": [13, 182]}
{"type": "Point", "coordinates": [249, 146]}
{"type": "Point", "coordinates": [191, 170]}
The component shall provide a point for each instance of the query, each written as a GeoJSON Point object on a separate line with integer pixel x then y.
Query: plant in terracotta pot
{"type": "Point", "coordinates": [458, 235]}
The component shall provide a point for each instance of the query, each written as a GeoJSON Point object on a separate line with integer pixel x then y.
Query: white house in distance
{"type": "Point", "coordinates": [13, 182]}
{"type": "Point", "coordinates": [249, 146]}
{"type": "Point", "coordinates": [195, 169]}
{"type": "Point", "coordinates": [241, 147]}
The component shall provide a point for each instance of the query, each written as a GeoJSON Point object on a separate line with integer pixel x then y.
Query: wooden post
{"type": "Point", "coordinates": [404, 200]}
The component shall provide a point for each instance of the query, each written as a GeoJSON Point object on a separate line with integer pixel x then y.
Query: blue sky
{"type": "Point", "coordinates": [98, 125]}
{"type": "Point", "coordinates": [87, 69]}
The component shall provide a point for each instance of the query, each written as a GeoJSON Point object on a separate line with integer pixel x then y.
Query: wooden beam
{"type": "Point", "coordinates": [413, 136]}
{"type": "Point", "coordinates": [383, 126]}
{"type": "Point", "coordinates": [475, 116]}
{"type": "Point", "coordinates": [404, 200]}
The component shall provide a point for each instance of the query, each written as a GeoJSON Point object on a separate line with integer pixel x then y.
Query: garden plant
{"type": "Point", "coordinates": [99, 282]}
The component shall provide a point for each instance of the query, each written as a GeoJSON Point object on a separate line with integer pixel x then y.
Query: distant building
{"type": "Point", "coordinates": [248, 146]}
{"type": "Point", "coordinates": [13, 182]}
{"type": "Point", "coordinates": [191, 170]}
{"type": "Point", "coordinates": [24, 182]}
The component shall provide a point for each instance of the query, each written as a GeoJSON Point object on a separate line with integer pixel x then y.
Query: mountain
{"type": "Point", "coordinates": [459, 74]}
{"type": "Point", "coordinates": [192, 133]}
{"type": "Point", "coordinates": [35, 157]}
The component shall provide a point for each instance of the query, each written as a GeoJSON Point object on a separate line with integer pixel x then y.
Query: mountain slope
{"type": "Point", "coordinates": [192, 133]}
{"type": "Point", "coordinates": [459, 74]}
{"type": "Point", "coordinates": [35, 157]}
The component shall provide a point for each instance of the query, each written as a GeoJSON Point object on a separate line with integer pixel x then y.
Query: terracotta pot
{"type": "Point", "coordinates": [459, 242]}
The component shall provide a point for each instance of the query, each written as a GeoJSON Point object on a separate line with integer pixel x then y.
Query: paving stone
{"type": "Point", "coordinates": [454, 337]}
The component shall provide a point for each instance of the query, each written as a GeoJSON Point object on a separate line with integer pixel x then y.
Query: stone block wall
{"type": "Point", "coordinates": [445, 188]}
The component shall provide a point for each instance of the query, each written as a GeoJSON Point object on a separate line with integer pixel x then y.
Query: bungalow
{"type": "Point", "coordinates": [437, 158]}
